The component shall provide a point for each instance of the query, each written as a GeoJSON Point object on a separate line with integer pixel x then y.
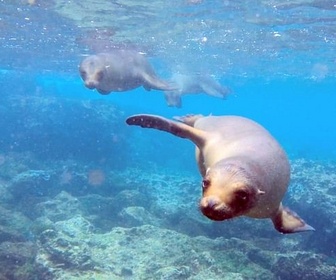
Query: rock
{"type": "Point", "coordinates": [17, 260]}
{"type": "Point", "coordinates": [136, 216]}
{"type": "Point", "coordinates": [65, 247]}
{"type": "Point", "coordinates": [303, 265]}
{"type": "Point", "coordinates": [61, 207]}
{"type": "Point", "coordinates": [34, 183]}
{"type": "Point", "coordinates": [173, 272]}
{"type": "Point", "coordinates": [14, 226]}
{"type": "Point", "coordinates": [139, 253]}
{"type": "Point", "coordinates": [130, 197]}
{"type": "Point", "coordinates": [311, 193]}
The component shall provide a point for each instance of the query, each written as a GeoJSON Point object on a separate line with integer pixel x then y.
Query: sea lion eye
{"type": "Point", "coordinates": [242, 195]}
{"type": "Point", "coordinates": [99, 75]}
{"type": "Point", "coordinates": [205, 183]}
{"type": "Point", "coordinates": [83, 74]}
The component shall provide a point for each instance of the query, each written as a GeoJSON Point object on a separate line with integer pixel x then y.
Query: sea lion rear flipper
{"type": "Point", "coordinates": [179, 129]}
{"type": "Point", "coordinates": [216, 90]}
{"type": "Point", "coordinates": [173, 98]}
{"type": "Point", "coordinates": [287, 221]}
{"type": "Point", "coordinates": [103, 92]}
{"type": "Point", "coordinates": [153, 82]}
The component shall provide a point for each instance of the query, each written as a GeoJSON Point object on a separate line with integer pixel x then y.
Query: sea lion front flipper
{"type": "Point", "coordinates": [182, 130]}
{"type": "Point", "coordinates": [287, 221]}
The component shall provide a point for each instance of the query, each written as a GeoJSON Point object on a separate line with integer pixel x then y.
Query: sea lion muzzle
{"type": "Point", "coordinates": [90, 85]}
{"type": "Point", "coordinates": [214, 209]}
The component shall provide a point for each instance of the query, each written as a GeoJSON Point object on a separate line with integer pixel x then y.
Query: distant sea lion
{"type": "Point", "coordinates": [120, 70]}
{"type": "Point", "coordinates": [194, 84]}
{"type": "Point", "coordinates": [245, 171]}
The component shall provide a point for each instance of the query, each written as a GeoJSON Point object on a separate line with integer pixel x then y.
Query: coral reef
{"type": "Point", "coordinates": [312, 191]}
{"type": "Point", "coordinates": [17, 260]}
{"type": "Point", "coordinates": [303, 265]}
{"type": "Point", "coordinates": [141, 252]}
{"type": "Point", "coordinates": [14, 226]}
{"type": "Point", "coordinates": [149, 226]}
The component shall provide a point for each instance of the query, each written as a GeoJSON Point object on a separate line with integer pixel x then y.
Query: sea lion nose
{"type": "Point", "coordinates": [212, 208]}
{"type": "Point", "coordinates": [90, 84]}
{"type": "Point", "coordinates": [209, 202]}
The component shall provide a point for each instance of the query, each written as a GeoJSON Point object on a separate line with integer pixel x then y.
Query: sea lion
{"type": "Point", "coordinates": [120, 70]}
{"type": "Point", "coordinates": [194, 84]}
{"type": "Point", "coordinates": [245, 171]}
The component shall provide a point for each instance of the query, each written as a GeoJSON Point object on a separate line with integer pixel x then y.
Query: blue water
{"type": "Point", "coordinates": [278, 58]}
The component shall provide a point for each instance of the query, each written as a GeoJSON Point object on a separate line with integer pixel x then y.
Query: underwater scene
{"type": "Point", "coordinates": [182, 139]}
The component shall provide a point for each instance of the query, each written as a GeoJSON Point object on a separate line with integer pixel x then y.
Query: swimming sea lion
{"type": "Point", "coordinates": [194, 84]}
{"type": "Point", "coordinates": [120, 70]}
{"type": "Point", "coordinates": [245, 171]}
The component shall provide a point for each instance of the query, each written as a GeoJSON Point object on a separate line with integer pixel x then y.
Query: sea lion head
{"type": "Point", "coordinates": [92, 70]}
{"type": "Point", "coordinates": [229, 190]}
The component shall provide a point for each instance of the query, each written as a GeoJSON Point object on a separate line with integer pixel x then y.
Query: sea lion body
{"type": "Point", "coordinates": [243, 143]}
{"type": "Point", "coordinates": [194, 84]}
{"type": "Point", "coordinates": [245, 170]}
{"type": "Point", "coordinates": [120, 70]}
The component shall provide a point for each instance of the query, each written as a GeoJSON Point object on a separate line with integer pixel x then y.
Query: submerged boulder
{"type": "Point", "coordinates": [139, 253]}
{"type": "Point", "coordinates": [17, 260]}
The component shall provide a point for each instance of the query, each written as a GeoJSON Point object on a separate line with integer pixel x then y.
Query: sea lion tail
{"type": "Point", "coordinates": [287, 221]}
{"type": "Point", "coordinates": [176, 128]}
